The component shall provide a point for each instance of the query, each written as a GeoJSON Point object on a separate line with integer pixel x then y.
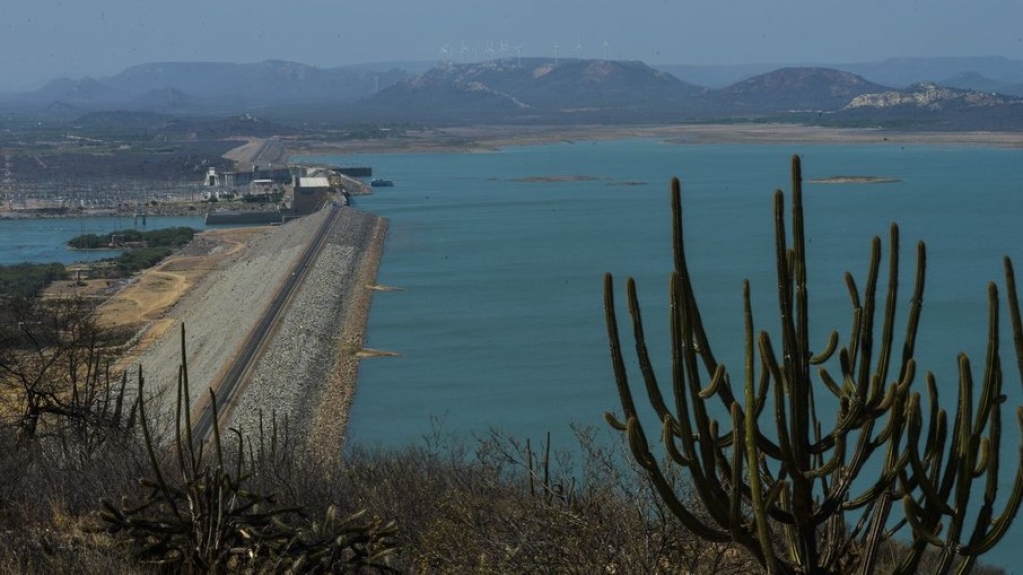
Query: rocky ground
{"type": "Point", "coordinates": [309, 372]}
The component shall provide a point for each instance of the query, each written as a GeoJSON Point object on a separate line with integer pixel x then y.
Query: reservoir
{"type": "Point", "coordinates": [499, 260]}
{"type": "Point", "coordinates": [43, 240]}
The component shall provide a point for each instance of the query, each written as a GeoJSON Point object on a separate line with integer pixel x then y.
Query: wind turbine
{"type": "Point", "coordinates": [555, 53]}
{"type": "Point", "coordinates": [445, 51]}
{"type": "Point", "coordinates": [461, 52]}
{"type": "Point", "coordinates": [607, 49]}
{"type": "Point", "coordinates": [578, 48]}
{"type": "Point", "coordinates": [490, 50]}
{"type": "Point", "coordinates": [503, 49]}
{"type": "Point", "coordinates": [518, 55]}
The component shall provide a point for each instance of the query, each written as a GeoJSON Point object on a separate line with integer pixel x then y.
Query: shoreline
{"type": "Point", "coordinates": [484, 139]}
{"type": "Point", "coordinates": [329, 425]}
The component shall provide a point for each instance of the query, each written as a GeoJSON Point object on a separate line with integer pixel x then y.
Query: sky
{"type": "Point", "coordinates": [44, 40]}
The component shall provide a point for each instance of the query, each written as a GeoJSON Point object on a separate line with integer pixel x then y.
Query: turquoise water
{"type": "Point", "coordinates": [44, 240]}
{"type": "Point", "coordinates": [499, 318]}
{"type": "Point", "coordinates": [499, 315]}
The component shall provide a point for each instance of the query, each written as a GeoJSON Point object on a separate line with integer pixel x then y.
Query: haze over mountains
{"type": "Point", "coordinates": [930, 93]}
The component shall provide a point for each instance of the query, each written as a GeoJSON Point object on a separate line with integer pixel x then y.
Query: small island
{"type": "Point", "coordinates": [856, 180]}
{"type": "Point", "coordinates": [552, 179]}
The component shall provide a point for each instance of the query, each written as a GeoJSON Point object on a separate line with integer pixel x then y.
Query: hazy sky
{"type": "Point", "coordinates": [47, 39]}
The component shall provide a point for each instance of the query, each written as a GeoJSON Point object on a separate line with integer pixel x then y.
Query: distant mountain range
{"type": "Point", "coordinates": [599, 91]}
{"type": "Point", "coordinates": [977, 93]}
{"type": "Point", "coordinates": [209, 87]}
{"type": "Point", "coordinates": [895, 72]}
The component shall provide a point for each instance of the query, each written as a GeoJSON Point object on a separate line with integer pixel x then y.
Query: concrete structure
{"type": "Point", "coordinates": [310, 193]}
{"type": "Point", "coordinates": [245, 179]}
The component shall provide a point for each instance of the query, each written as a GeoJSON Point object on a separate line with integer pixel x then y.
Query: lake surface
{"type": "Point", "coordinates": [45, 240]}
{"type": "Point", "coordinates": [500, 258]}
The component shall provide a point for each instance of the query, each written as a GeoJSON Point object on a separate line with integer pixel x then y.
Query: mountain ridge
{"type": "Point", "coordinates": [514, 91]}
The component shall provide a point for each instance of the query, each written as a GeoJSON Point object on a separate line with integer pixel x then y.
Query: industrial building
{"type": "Point", "coordinates": [310, 194]}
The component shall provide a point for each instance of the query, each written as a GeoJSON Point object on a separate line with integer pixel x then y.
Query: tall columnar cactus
{"type": "Point", "coordinates": [771, 477]}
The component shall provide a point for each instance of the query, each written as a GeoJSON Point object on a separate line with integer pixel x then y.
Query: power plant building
{"type": "Point", "coordinates": [245, 179]}
{"type": "Point", "coordinates": [309, 195]}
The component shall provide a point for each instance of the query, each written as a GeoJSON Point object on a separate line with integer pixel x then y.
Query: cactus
{"type": "Point", "coordinates": [771, 477]}
{"type": "Point", "coordinates": [206, 517]}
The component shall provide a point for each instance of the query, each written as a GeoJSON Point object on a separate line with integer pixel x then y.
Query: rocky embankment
{"type": "Point", "coordinates": [308, 371]}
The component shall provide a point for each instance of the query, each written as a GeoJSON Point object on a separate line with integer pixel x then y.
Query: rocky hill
{"type": "Point", "coordinates": [793, 89]}
{"type": "Point", "coordinates": [535, 89]}
{"type": "Point", "coordinates": [929, 105]}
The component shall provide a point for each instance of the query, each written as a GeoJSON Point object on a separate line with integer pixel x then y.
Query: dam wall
{"type": "Point", "coordinates": [232, 218]}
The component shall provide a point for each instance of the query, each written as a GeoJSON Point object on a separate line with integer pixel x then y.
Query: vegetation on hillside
{"type": "Point", "coordinates": [27, 280]}
{"type": "Point", "coordinates": [143, 249]}
{"type": "Point", "coordinates": [165, 237]}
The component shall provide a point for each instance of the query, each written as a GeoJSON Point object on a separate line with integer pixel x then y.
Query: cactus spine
{"type": "Point", "coordinates": [770, 477]}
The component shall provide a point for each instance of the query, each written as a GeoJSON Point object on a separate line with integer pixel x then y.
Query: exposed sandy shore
{"type": "Point", "coordinates": [490, 138]}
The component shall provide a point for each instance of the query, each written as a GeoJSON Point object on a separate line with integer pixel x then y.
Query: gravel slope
{"type": "Point", "coordinates": [309, 371]}
{"type": "Point", "coordinates": [310, 366]}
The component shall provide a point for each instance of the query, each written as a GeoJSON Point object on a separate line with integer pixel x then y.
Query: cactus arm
{"type": "Point", "coordinates": [920, 474]}
{"type": "Point", "coordinates": [888, 329]}
{"type": "Point", "coordinates": [670, 431]}
{"type": "Point", "coordinates": [640, 449]}
{"type": "Point", "coordinates": [788, 379]}
{"type": "Point", "coordinates": [701, 458]}
{"type": "Point", "coordinates": [771, 365]}
{"type": "Point", "coordinates": [830, 382]}
{"type": "Point", "coordinates": [827, 352]}
{"type": "Point", "coordinates": [967, 443]}
{"type": "Point", "coordinates": [991, 387]}
{"type": "Point", "coordinates": [646, 368]}
{"type": "Point", "coordinates": [865, 333]}
{"type": "Point", "coordinates": [678, 242]}
{"type": "Point", "coordinates": [914, 513]}
{"type": "Point", "coordinates": [1014, 315]}
{"type": "Point", "coordinates": [614, 422]}
{"type": "Point", "coordinates": [852, 350]}
{"type": "Point", "coordinates": [703, 454]}
{"type": "Point", "coordinates": [617, 360]}
{"type": "Point", "coordinates": [714, 386]}
{"type": "Point", "coordinates": [1001, 524]}
{"type": "Point", "coordinates": [749, 443]}
{"type": "Point", "coordinates": [937, 427]}
{"type": "Point", "coordinates": [915, 305]}
{"type": "Point", "coordinates": [194, 451]}
{"type": "Point", "coordinates": [735, 494]}
{"type": "Point", "coordinates": [147, 435]}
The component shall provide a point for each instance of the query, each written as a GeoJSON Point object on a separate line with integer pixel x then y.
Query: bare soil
{"type": "Point", "coordinates": [143, 301]}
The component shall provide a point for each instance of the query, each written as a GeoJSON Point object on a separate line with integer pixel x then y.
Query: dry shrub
{"type": "Point", "coordinates": [503, 507]}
